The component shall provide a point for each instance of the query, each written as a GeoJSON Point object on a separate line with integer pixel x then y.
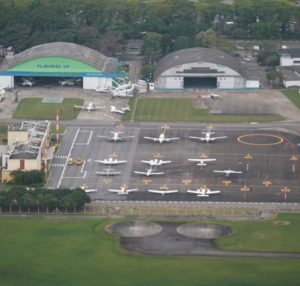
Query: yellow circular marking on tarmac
{"type": "Point", "coordinates": [279, 139]}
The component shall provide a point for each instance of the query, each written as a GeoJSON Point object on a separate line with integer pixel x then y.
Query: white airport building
{"type": "Point", "coordinates": [203, 68]}
{"type": "Point", "coordinates": [60, 61]}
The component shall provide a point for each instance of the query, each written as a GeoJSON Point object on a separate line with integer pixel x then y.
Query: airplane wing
{"type": "Point", "coordinates": [131, 190]}
{"type": "Point", "coordinates": [101, 162]}
{"type": "Point", "coordinates": [198, 138]}
{"type": "Point", "coordinates": [212, 192]}
{"type": "Point", "coordinates": [147, 162]}
{"type": "Point", "coordinates": [140, 173]}
{"type": "Point", "coordinates": [171, 139]}
{"type": "Point", "coordinates": [120, 162]}
{"type": "Point", "coordinates": [165, 162]}
{"type": "Point", "coordinates": [106, 137]}
{"type": "Point", "coordinates": [152, 138]}
{"type": "Point", "coordinates": [119, 192]}
{"type": "Point", "coordinates": [91, 191]}
{"type": "Point", "coordinates": [235, 172]}
{"type": "Point", "coordinates": [193, 192]}
{"type": "Point", "coordinates": [163, 192]}
{"type": "Point", "coordinates": [157, 173]}
{"type": "Point", "coordinates": [217, 171]}
{"type": "Point", "coordinates": [215, 138]}
{"type": "Point", "coordinates": [201, 160]}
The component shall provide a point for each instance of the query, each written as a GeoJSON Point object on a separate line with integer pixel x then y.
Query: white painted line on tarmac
{"type": "Point", "coordinates": [88, 141]}
{"type": "Point", "coordinates": [64, 169]}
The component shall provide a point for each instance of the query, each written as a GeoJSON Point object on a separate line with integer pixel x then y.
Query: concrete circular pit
{"type": "Point", "coordinates": [134, 229]}
{"type": "Point", "coordinates": [203, 230]}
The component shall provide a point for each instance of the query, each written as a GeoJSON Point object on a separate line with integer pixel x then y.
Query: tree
{"type": "Point", "coordinates": [152, 46]}
{"type": "Point", "coordinates": [207, 39]}
{"type": "Point", "coordinates": [183, 42]}
{"type": "Point", "coordinates": [28, 177]}
{"type": "Point", "coordinates": [147, 72]}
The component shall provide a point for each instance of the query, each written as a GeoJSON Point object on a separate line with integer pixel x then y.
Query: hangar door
{"type": "Point", "coordinates": [200, 82]}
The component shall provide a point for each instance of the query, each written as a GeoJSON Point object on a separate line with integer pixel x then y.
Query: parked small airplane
{"type": "Point", "coordinates": [27, 82]}
{"type": "Point", "coordinates": [67, 82]}
{"type": "Point", "coordinates": [122, 110]}
{"type": "Point", "coordinates": [108, 172]}
{"type": "Point", "coordinates": [102, 89]}
{"type": "Point", "coordinates": [207, 137]}
{"type": "Point", "coordinates": [228, 172]}
{"type": "Point", "coordinates": [3, 88]}
{"type": "Point", "coordinates": [111, 161]}
{"type": "Point", "coordinates": [115, 136]}
{"type": "Point", "coordinates": [149, 172]}
{"type": "Point", "coordinates": [2, 92]}
{"type": "Point", "coordinates": [163, 191]}
{"type": "Point", "coordinates": [202, 162]}
{"type": "Point", "coordinates": [90, 107]}
{"type": "Point", "coordinates": [203, 192]}
{"type": "Point", "coordinates": [162, 138]}
{"type": "Point", "coordinates": [122, 191]}
{"type": "Point", "coordinates": [156, 162]}
{"type": "Point", "coordinates": [212, 96]}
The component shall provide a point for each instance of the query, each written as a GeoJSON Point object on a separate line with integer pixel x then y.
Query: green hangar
{"type": "Point", "coordinates": [58, 61]}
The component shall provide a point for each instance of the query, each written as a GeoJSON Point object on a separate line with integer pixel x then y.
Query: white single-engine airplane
{"type": "Point", "coordinates": [90, 107]}
{"type": "Point", "coordinates": [156, 162]}
{"type": "Point", "coordinates": [27, 82]}
{"type": "Point", "coordinates": [228, 172]}
{"type": "Point", "coordinates": [121, 111]}
{"type": "Point", "coordinates": [111, 161]}
{"type": "Point", "coordinates": [162, 138]}
{"type": "Point", "coordinates": [202, 162]}
{"type": "Point", "coordinates": [115, 136]}
{"type": "Point", "coordinates": [163, 191]}
{"type": "Point", "coordinates": [122, 191]}
{"type": "Point", "coordinates": [203, 192]}
{"type": "Point", "coordinates": [149, 172]}
{"type": "Point", "coordinates": [207, 137]}
{"type": "Point", "coordinates": [108, 172]}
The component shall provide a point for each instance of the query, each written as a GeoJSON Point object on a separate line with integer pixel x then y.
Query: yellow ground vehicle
{"type": "Point", "coordinates": [70, 161]}
{"type": "Point", "coordinates": [78, 161]}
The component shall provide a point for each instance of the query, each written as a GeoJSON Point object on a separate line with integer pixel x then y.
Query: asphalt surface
{"type": "Point", "coordinates": [269, 160]}
{"type": "Point", "coordinates": [169, 242]}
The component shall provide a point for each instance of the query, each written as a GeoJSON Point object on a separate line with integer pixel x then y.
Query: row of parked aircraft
{"type": "Point", "coordinates": [200, 192]}
{"type": "Point", "coordinates": [92, 107]}
{"type": "Point", "coordinates": [162, 137]}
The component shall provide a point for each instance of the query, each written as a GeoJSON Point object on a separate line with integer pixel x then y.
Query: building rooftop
{"type": "Point", "coordinates": [194, 55]}
{"type": "Point", "coordinates": [30, 149]}
{"type": "Point", "coordinates": [293, 53]}
{"type": "Point", "coordinates": [63, 49]}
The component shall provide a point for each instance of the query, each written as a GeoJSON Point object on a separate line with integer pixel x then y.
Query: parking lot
{"type": "Point", "coordinates": [269, 161]}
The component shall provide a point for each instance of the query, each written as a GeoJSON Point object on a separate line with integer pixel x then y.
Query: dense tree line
{"type": "Point", "coordinates": [41, 199]}
{"type": "Point", "coordinates": [167, 25]}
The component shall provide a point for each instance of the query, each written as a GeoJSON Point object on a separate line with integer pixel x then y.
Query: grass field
{"type": "Point", "coordinates": [36, 251]}
{"type": "Point", "coordinates": [293, 95]}
{"type": "Point", "coordinates": [154, 109]}
{"type": "Point", "coordinates": [33, 108]}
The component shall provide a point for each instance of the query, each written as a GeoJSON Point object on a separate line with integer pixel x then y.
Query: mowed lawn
{"type": "Point", "coordinates": [33, 108]}
{"type": "Point", "coordinates": [293, 95]}
{"type": "Point", "coordinates": [37, 251]}
{"type": "Point", "coordinates": [156, 109]}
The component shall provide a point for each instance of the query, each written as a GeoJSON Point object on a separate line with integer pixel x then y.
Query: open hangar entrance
{"type": "Point", "coordinates": [47, 81]}
{"type": "Point", "coordinates": [200, 82]}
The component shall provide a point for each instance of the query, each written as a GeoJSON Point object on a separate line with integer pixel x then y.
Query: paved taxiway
{"type": "Point", "coordinates": [269, 160]}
